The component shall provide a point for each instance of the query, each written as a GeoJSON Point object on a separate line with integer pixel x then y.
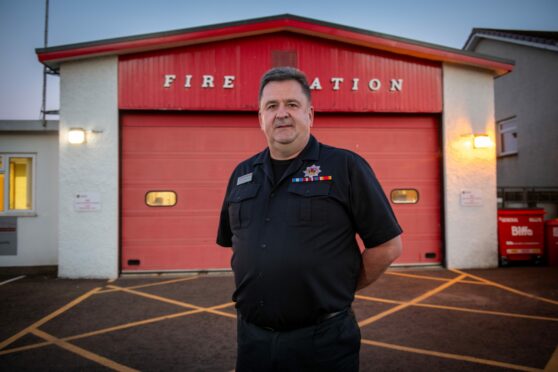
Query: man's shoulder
{"type": "Point", "coordinates": [339, 153]}
{"type": "Point", "coordinates": [247, 165]}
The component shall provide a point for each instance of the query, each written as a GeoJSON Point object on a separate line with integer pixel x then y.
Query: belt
{"type": "Point", "coordinates": [320, 319]}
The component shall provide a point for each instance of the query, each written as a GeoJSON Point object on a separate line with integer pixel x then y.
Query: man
{"type": "Point", "coordinates": [291, 214]}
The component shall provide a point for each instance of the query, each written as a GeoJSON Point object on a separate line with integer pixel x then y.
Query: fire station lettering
{"type": "Point", "coordinates": [208, 81]}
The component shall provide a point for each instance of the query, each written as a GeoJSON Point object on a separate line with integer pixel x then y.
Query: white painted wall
{"type": "Point", "coordinates": [37, 243]}
{"type": "Point", "coordinates": [88, 241]}
{"type": "Point", "coordinates": [471, 232]}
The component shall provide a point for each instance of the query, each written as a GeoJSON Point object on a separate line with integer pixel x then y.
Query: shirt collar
{"type": "Point", "coordinates": [310, 152]}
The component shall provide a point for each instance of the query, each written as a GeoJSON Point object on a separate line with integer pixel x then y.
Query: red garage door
{"type": "Point", "coordinates": [175, 168]}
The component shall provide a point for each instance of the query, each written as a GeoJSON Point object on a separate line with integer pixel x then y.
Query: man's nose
{"type": "Point", "coordinates": [282, 111]}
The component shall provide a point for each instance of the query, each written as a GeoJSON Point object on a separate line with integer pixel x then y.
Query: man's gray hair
{"type": "Point", "coordinates": [284, 74]}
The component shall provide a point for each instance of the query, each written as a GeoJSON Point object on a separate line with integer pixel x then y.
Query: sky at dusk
{"type": "Point", "coordinates": [446, 23]}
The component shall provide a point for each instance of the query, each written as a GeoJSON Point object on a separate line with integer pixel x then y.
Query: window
{"type": "Point", "coordinates": [404, 196]}
{"type": "Point", "coordinates": [160, 198]}
{"type": "Point", "coordinates": [16, 183]}
{"type": "Point", "coordinates": [507, 137]}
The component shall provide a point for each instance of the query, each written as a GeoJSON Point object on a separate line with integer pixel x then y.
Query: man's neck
{"type": "Point", "coordinates": [285, 152]}
{"type": "Point", "coordinates": [280, 155]}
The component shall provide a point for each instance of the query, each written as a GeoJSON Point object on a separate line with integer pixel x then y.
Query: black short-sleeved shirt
{"type": "Point", "coordinates": [295, 257]}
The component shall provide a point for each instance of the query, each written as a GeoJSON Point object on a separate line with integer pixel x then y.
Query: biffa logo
{"type": "Point", "coordinates": [521, 231]}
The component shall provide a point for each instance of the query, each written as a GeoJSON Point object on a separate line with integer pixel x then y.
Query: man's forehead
{"type": "Point", "coordinates": [283, 90]}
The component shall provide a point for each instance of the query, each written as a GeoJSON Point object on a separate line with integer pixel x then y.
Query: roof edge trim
{"type": "Point", "coordinates": [53, 56]}
{"type": "Point", "coordinates": [474, 40]}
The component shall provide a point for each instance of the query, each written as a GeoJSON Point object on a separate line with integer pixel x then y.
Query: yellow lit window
{"type": "Point", "coordinates": [16, 183]}
{"type": "Point", "coordinates": [20, 183]}
{"type": "Point", "coordinates": [1, 192]}
{"type": "Point", "coordinates": [160, 198]}
{"type": "Point", "coordinates": [404, 196]}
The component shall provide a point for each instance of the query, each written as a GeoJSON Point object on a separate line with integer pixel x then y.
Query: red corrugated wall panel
{"type": "Point", "coordinates": [142, 76]}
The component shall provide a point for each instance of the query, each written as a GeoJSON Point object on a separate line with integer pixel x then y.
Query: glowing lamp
{"type": "Point", "coordinates": [76, 136]}
{"type": "Point", "coordinates": [481, 141]}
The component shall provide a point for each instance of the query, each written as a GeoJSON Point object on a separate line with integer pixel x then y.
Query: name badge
{"type": "Point", "coordinates": [244, 179]}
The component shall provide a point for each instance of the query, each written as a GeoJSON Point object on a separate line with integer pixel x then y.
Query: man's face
{"type": "Point", "coordinates": [285, 116]}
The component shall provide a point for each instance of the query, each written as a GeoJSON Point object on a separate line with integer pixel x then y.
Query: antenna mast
{"type": "Point", "coordinates": [43, 107]}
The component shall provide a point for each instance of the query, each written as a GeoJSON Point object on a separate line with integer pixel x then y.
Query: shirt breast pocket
{"type": "Point", "coordinates": [307, 203]}
{"type": "Point", "coordinates": [241, 203]}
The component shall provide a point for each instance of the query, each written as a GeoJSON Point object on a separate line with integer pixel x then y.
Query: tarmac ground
{"type": "Point", "coordinates": [411, 320]}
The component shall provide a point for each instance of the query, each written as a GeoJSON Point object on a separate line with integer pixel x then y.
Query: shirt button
{"type": "Point", "coordinates": [261, 303]}
{"type": "Point", "coordinates": [267, 219]}
{"type": "Point", "coordinates": [263, 245]}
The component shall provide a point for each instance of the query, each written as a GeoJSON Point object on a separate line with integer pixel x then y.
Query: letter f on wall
{"type": "Point", "coordinates": [169, 79]}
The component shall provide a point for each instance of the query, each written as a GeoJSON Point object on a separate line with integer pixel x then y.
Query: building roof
{"type": "Point", "coordinates": [537, 39]}
{"type": "Point", "coordinates": [54, 56]}
{"type": "Point", "coordinates": [27, 126]}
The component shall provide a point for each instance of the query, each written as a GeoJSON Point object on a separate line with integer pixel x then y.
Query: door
{"type": "Point", "coordinates": [175, 168]}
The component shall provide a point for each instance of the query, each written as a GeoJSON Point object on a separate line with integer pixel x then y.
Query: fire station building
{"type": "Point", "coordinates": [151, 127]}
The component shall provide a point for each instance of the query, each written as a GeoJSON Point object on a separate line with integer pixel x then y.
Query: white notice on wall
{"type": "Point", "coordinates": [471, 198]}
{"type": "Point", "coordinates": [87, 202]}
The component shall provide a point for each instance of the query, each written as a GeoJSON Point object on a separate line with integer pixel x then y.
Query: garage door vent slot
{"type": "Point", "coordinates": [430, 255]}
{"type": "Point", "coordinates": [133, 262]}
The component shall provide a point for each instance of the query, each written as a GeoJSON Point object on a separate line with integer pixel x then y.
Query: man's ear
{"type": "Point", "coordinates": [260, 119]}
{"type": "Point", "coordinates": [311, 115]}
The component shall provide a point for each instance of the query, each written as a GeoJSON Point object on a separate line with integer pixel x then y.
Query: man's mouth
{"type": "Point", "coordinates": [282, 125]}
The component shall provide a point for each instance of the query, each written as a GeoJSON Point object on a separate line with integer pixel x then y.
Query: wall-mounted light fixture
{"type": "Point", "coordinates": [481, 141]}
{"type": "Point", "coordinates": [76, 136]}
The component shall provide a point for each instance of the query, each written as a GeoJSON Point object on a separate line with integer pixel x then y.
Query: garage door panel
{"type": "Point", "coordinates": [176, 257]}
{"type": "Point", "coordinates": [417, 170]}
{"type": "Point", "coordinates": [392, 139]}
{"type": "Point", "coordinates": [191, 200]}
{"type": "Point", "coordinates": [159, 140]}
{"type": "Point", "coordinates": [403, 157]}
{"type": "Point", "coordinates": [165, 169]}
{"type": "Point", "coordinates": [196, 162]}
{"type": "Point", "coordinates": [168, 228]}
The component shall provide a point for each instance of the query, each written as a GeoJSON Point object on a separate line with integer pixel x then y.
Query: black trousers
{"type": "Point", "coordinates": [332, 345]}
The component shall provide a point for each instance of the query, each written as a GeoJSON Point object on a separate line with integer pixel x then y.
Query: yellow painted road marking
{"type": "Point", "coordinates": [174, 302]}
{"type": "Point", "coordinates": [463, 309]}
{"type": "Point", "coordinates": [377, 299]}
{"type": "Point", "coordinates": [438, 354]}
{"type": "Point", "coordinates": [101, 331]}
{"type": "Point", "coordinates": [410, 303]}
{"type": "Point", "coordinates": [509, 289]}
{"type": "Point", "coordinates": [83, 353]}
{"type": "Point", "coordinates": [47, 318]}
{"type": "Point", "coordinates": [116, 328]}
{"type": "Point", "coordinates": [426, 277]}
{"type": "Point", "coordinates": [552, 365]}
{"type": "Point", "coordinates": [151, 284]}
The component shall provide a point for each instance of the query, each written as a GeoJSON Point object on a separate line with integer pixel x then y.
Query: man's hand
{"type": "Point", "coordinates": [376, 260]}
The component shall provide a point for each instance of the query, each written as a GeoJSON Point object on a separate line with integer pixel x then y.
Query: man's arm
{"type": "Point", "coordinates": [376, 260]}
